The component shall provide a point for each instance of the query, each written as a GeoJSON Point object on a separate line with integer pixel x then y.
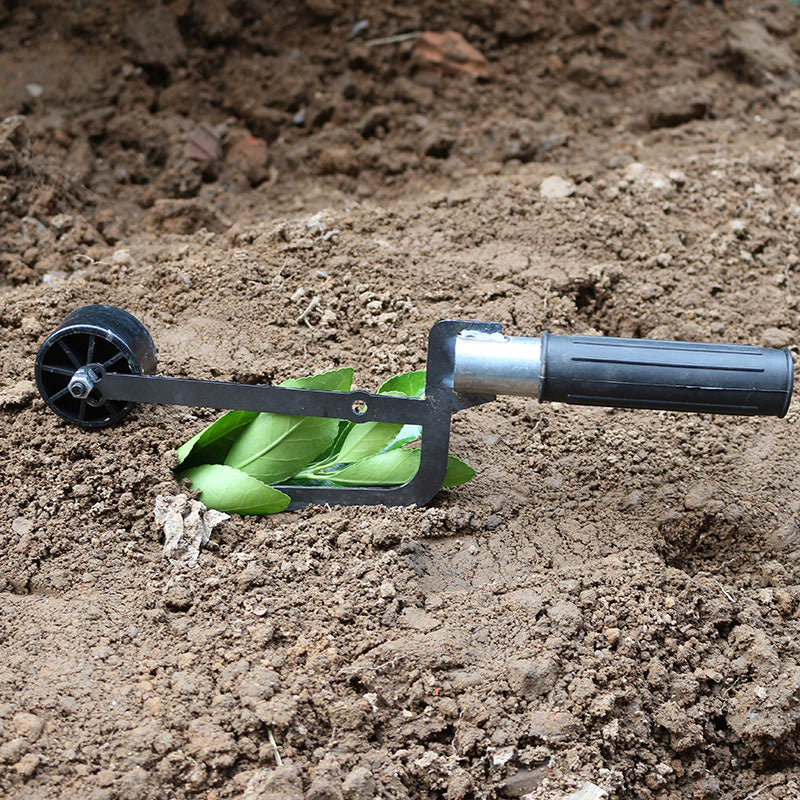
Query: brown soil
{"type": "Point", "coordinates": [614, 599]}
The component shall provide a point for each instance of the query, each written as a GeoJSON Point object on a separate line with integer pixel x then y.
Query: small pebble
{"type": "Point", "coordinates": [698, 496]}
{"type": "Point", "coordinates": [22, 525]}
{"type": "Point", "coordinates": [664, 259]}
{"type": "Point", "coordinates": [27, 765]}
{"type": "Point", "coordinates": [776, 337]}
{"type": "Point", "coordinates": [738, 226]}
{"type": "Point", "coordinates": [612, 635]}
{"type": "Point", "coordinates": [678, 177]}
{"type": "Point", "coordinates": [122, 257]}
{"type": "Point", "coordinates": [555, 187]}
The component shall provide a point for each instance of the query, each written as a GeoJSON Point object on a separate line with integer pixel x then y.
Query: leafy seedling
{"type": "Point", "coordinates": [235, 459]}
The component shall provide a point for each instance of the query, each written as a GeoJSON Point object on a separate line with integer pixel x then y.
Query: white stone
{"type": "Point", "coordinates": [660, 183]}
{"type": "Point", "coordinates": [22, 525]}
{"type": "Point", "coordinates": [555, 187]}
{"type": "Point", "coordinates": [503, 756]}
{"type": "Point", "coordinates": [634, 170]}
{"type": "Point", "coordinates": [316, 223]}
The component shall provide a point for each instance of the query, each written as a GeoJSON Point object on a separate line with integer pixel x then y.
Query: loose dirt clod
{"type": "Point", "coordinates": [450, 53]}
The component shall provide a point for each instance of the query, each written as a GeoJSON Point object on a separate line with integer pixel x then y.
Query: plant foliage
{"type": "Point", "coordinates": [236, 459]}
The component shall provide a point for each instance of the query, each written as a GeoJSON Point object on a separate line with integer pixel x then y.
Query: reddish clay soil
{"type": "Point", "coordinates": [614, 599]}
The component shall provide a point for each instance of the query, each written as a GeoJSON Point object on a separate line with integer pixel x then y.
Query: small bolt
{"type": "Point", "coordinates": [78, 388]}
{"type": "Point", "coordinates": [82, 383]}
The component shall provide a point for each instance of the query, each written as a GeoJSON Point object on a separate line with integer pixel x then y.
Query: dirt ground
{"type": "Point", "coordinates": [614, 599]}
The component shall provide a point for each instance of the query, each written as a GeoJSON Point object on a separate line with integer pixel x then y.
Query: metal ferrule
{"type": "Point", "coordinates": [491, 363]}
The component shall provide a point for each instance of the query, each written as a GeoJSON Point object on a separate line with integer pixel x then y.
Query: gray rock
{"type": "Point", "coordinates": [524, 781]}
{"type": "Point", "coordinates": [22, 525]}
{"type": "Point", "coordinates": [28, 725]}
{"type": "Point", "coordinates": [671, 106]}
{"type": "Point", "coordinates": [785, 537]}
{"type": "Point", "coordinates": [588, 791]}
{"type": "Point", "coordinates": [13, 750]}
{"type": "Point", "coordinates": [565, 615]}
{"type": "Point", "coordinates": [418, 619]}
{"type": "Point", "coordinates": [699, 496]}
{"type": "Point", "coordinates": [776, 337]}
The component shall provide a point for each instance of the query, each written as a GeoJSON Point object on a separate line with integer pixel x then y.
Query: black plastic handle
{"type": "Point", "coordinates": [669, 376]}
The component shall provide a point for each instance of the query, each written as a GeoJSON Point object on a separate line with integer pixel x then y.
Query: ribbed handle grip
{"type": "Point", "coordinates": [669, 376]}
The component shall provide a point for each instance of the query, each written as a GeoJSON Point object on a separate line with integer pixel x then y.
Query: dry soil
{"type": "Point", "coordinates": [615, 598]}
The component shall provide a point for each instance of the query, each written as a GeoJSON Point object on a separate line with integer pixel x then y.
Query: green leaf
{"type": "Point", "coordinates": [411, 384]}
{"type": "Point", "coordinates": [234, 492]}
{"type": "Point", "coordinates": [366, 439]}
{"type": "Point", "coordinates": [362, 439]}
{"type": "Point", "coordinates": [458, 472]}
{"type": "Point", "coordinates": [406, 435]}
{"type": "Point", "coordinates": [211, 445]}
{"type": "Point", "coordinates": [355, 441]}
{"type": "Point", "coordinates": [336, 380]}
{"type": "Point", "coordinates": [385, 469]}
{"type": "Point", "coordinates": [341, 434]}
{"type": "Point", "coordinates": [394, 467]}
{"type": "Point", "coordinates": [275, 446]}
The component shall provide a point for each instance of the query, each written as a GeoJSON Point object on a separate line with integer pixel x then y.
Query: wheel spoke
{"type": "Point", "coordinates": [82, 412]}
{"type": "Point", "coordinates": [90, 349]}
{"type": "Point", "coordinates": [113, 406]}
{"type": "Point", "coordinates": [59, 395]}
{"type": "Point", "coordinates": [70, 355]}
{"type": "Point", "coordinates": [113, 360]}
{"type": "Point", "coordinates": [57, 370]}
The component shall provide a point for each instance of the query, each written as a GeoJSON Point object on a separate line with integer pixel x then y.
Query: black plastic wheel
{"type": "Point", "coordinates": [99, 335]}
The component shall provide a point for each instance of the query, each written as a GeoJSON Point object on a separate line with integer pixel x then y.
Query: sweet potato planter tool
{"type": "Point", "coordinates": [99, 363]}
